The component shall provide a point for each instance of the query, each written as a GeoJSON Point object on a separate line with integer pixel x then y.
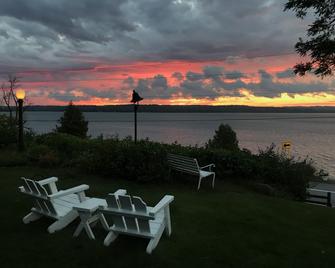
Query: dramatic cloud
{"type": "Point", "coordinates": [286, 74]}
{"type": "Point", "coordinates": [98, 51]}
{"type": "Point", "coordinates": [59, 34]}
{"type": "Point", "coordinates": [215, 82]}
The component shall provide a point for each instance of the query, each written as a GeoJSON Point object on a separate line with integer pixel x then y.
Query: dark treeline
{"type": "Point", "coordinates": [186, 109]}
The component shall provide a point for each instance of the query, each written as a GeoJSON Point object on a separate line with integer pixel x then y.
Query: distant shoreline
{"type": "Point", "coordinates": [184, 109]}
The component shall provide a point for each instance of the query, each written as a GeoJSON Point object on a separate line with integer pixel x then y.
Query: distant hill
{"type": "Point", "coordinates": [187, 109]}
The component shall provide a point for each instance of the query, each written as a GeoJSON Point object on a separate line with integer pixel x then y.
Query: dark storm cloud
{"type": "Point", "coordinates": [192, 76]}
{"type": "Point", "coordinates": [83, 20]}
{"type": "Point", "coordinates": [178, 76]}
{"type": "Point", "coordinates": [286, 74]}
{"type": "Point", "coordinates": [57, 34]}
{"type": "Point", "coordinates": [235, 75]}
{"type": "Point", "coordinates": [156, 87]}
{"type": "Point", "coordinates": [211, 83]}
{"type": "Point", "coordinates": [267, 87]}
{"type": "Point", "coordinates": [82, 94]}
{"type": "Point", "coordinates": [60, 35]}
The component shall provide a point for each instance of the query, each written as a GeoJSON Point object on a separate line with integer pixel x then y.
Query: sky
{"type": "Point", "coordinates": [216, 52]}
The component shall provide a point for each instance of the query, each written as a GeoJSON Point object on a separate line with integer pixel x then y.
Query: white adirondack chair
{"type": "Point", "coordinates": [50, 202]}
{"type": "Point", "coordinates": [131, 216]}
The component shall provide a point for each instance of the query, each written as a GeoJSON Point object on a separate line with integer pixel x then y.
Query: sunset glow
{"type": "Point", "coordinates": [242, 55]}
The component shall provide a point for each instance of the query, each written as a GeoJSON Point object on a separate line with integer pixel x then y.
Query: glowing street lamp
{"type": "Point", "coordinates": [20, 94]}
{"type": "Point", "coordinates": [136, 100]}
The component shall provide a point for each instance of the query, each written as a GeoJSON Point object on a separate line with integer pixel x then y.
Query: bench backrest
{"type": "Point", "coordinates": [40, 196]}
{"type": "Point", "coordinates": [183, 163]}
{"type": "Point", "coordinates": [129, 213]}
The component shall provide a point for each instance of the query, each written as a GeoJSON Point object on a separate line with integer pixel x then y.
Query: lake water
{"type": "Point", "coordinates": [311, 134]}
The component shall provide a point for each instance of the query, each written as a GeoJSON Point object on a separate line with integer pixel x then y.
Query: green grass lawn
{"type": "Point", "coordinates": [227, 227]}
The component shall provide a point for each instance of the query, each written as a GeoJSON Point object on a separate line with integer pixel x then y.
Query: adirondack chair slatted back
{"type": "Point", "coordinates": [126, 204]}
{"type": "Point", "coordinates": [135, 205]}
{"type": "Point", "coordinates": [140, 206]}
{"type": "Point", "coordinates": [183, 163]}
{"type": "Point", "coordinates": [32, 187]}
{"type": "Point", "coordinates": [40, 194]}
{"type": "Point", "coordinates": [112, 202]}
{"type": "Point", "coordinates": [26, 186]}
{"type": "Point", "coordinates": [47, 203]}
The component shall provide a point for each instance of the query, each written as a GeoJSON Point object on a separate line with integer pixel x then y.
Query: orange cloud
{"type": "Point", "coordinates": [106, 77]}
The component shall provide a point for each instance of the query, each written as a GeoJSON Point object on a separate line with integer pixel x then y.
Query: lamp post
{"type": "Point", "coordinates": [136, 100]}
{"type": "Point", "coordinates": [20, 94]}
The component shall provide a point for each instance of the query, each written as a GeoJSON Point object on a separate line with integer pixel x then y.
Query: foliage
{"type": "Point", "coordinates": [43, 155]}
{"type": "Point", "coordinates": [320, 45]}
{"type": "Point", "coordinates": [10, 157]}
{"type": "Point", "coordinates": [9, 98]}
{"type": "Point", "coordinates": [146, 161]}
{"type": "Point", "coordinates": [73, 122]}
{"type": "Point", "coordinates": [224, 138]}
{"type": "Point", "coordinates": [142, 161]}
{"type": "Point", "coordinates": [289, 175]}
{"type": "Point", "coordinates": [8, 131]}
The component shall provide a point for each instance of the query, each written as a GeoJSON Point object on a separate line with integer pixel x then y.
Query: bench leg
{"type": "Point", "coordinates": [213, 181]}
{"type": "Point", "coordinates": [199, 183]}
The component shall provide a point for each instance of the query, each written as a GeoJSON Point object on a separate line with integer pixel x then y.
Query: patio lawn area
{"type": "Point", "coordinates": [226, 227]}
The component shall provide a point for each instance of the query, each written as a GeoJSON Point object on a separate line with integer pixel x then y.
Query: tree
{"type": "Point", "coordinates": [224, 138]}
{"type": "Point", "coordinates": [320, 43]}
{"type": "Point", "coordinates": [9, 97]}
{"type": "Point", "coordinates": [73, 122]}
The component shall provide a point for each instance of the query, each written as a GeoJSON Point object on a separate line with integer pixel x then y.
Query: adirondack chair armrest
{"type": "Point", "coordinates": [208, 166]}
{"type": "Point", "coordinates": [120, 192]}
{"type": "Point", "coordinates": [21, 189]}
{"type": "Point", "coordinates": [165, 201]}
{"type": "Point", "coordinates": [73, 190]}
{"type": "Point", "coordinates": [48, 180]}
{"type": "Point", "coordinates": [51, 183]}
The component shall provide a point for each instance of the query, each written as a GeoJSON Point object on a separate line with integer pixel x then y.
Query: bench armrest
{"type": "Point", "coordinates": [208, 166]}
{"type": "Point", "coordinates": [73, 190]}
{"type": "Point", "coordinates": [48, 180]}
{"type": "Point", "coordinates": [164, 202]}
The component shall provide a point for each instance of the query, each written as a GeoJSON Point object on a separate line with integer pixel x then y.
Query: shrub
{"type": "Point", "coordinates": [8, 131]}
{"type": "Point", "coordinates": [43, 156]}
{"type": "Point", "coordinates": [224, 138]}
{"type": "Point", "coordinates": [147, 161]}
{"type": "Point", "coordinates": [73, 122]}
{"type": "Point", "coordinates": [68, 147]}
{"type": "Point", "coordinates": [12, 158]}
{"type": "Point", "coordinates": [144, 161]}
{"type": "Point", "coordinates": [285, 173]}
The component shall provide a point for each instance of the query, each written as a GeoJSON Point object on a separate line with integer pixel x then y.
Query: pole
{"type": "Point", "coordinates": [20, 141]}
{"type": "Point", "coordinates": [135, 121]}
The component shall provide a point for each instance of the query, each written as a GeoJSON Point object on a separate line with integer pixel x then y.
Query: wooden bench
{"type": "Point", "coordinates": [190, 165]}
{"type": "Point", "coordinates": [319, 197]}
